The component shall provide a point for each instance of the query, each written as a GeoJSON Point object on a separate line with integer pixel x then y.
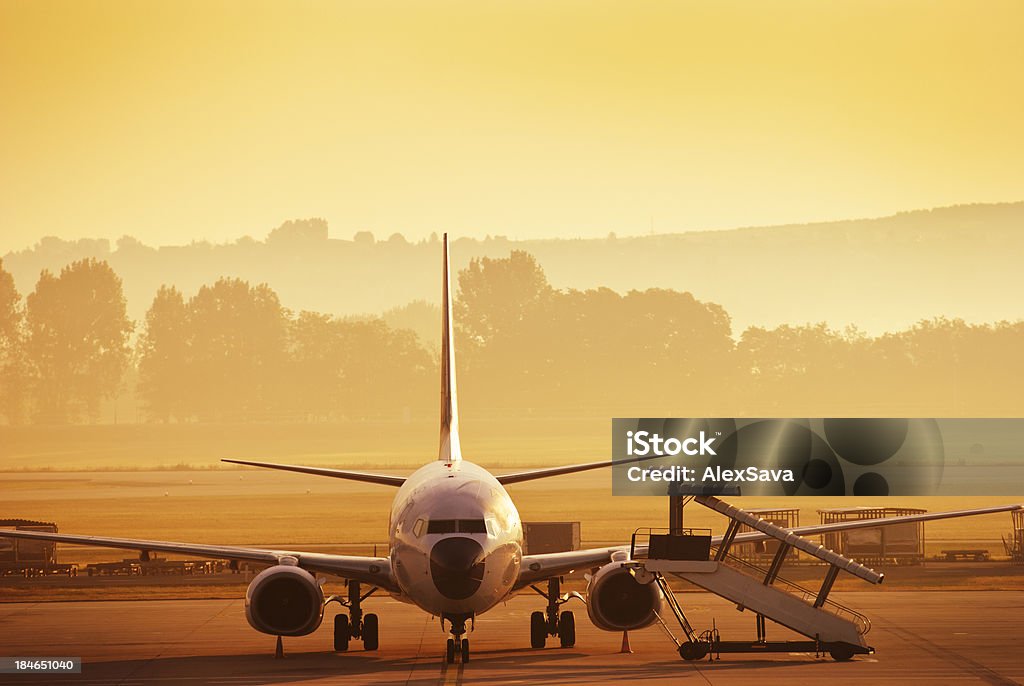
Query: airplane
{"type": "Point", "coordinates": [455, 549]}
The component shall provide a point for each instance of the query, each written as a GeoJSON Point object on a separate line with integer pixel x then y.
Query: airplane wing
{"type": "Point", "coordinates": [813, 529]}
{"type": "Point", "coordinates": [371, 570]}
{"type": "Point", "coordinates": [388, 480]}
{"type": "Point", "coordinates": [536, 568]}
{"type": "Point", "coordinates": [367, 477]}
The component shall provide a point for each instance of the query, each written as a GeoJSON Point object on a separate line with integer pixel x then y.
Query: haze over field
{"type": "Point", "coordinates": [879, 275]}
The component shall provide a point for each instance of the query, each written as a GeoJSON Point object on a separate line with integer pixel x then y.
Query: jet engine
{"type": "Point", "coordinates": [284, 600]}
{"type": "Point", "coordinates": [616, 601]}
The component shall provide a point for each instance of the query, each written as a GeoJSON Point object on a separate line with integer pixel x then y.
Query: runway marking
{"type": "Point", "coordinates": [421, 659]}
{"type": "Point", "coordinates": [696, 667]}
{"type": "Point", "coordinates": [450, 677]}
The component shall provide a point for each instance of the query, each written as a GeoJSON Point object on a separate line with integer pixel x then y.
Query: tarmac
{"type": "Point", "coordinates": [925, 637]}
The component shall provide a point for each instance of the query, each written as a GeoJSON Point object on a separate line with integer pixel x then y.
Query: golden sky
{"type": "Point", "coordinates": [187, 120]}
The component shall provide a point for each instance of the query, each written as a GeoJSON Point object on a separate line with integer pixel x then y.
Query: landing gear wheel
{"type": "Point", "coordinates": [567, 630]}
{"type": "Point", "coordinates": [538, 630]}
{"type": "Point", "coordinates": [692, 650]}
{"type": "Point", "coordinates": [450, 653]}
{"type": "Point", "coordinates": [840, 653]}
{"type": "Point", "coordinates": [370, 632]}
{"type": "Point", "coordinates": [465, 650]}
{"type": "Point", "coordinates": [342, 633]}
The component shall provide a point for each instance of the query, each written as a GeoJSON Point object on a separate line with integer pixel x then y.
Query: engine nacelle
{"type": "Point", "coordinates": [284, 600]}
{"type": "Point", "coordinates": [616, 601]}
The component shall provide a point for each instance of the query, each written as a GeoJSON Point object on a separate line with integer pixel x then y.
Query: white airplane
{"type": "Point", "coordinates": [455, 550]}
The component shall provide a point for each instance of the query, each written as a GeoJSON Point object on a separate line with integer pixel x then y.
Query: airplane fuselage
{"type": "Point", "coordinates": [456, 539]}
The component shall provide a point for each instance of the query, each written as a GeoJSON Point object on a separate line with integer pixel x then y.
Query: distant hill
{"type": "Point", "coordinates": [880, 274]}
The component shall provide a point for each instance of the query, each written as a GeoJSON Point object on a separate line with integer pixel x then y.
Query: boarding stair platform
{"type": "Point", "coordinates": [688, 554]}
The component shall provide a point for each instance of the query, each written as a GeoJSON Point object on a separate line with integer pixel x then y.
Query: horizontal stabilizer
{"type": "Point", "coordinates": [546, 472]}
{"type": "Point", "coordinates": [366, 477]}
{"type": "Point", "coordinates": [533, 474]}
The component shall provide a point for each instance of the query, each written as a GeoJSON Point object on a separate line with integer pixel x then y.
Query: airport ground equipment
{"type": "Point", "coordinates": [31, 558]}
{"type": "Point", "coordinates": [550, 537]}
{"type": "Point", "coordinates": [687, 554]}
{"type": "Point", "coordinates": [1014, 544]}
{"type": "Point", "coordinates": [969, 554]}
{"type": "Point", "coordinates": [762, 552]}
{"type": "Point", "coordinates": [901, 544]}
{"type": "Point", "coordinates": [155, 566]}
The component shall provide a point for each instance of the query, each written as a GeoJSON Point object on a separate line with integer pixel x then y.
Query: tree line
{"type": "Point", "coordinates": [233, 353]}
{"type": "Point", "coordinates": [661, 352]}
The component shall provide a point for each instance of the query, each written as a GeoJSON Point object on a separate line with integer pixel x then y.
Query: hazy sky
{"type": "Point", "coordinates": [179, 120]}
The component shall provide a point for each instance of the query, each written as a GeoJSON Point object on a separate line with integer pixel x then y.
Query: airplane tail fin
{"type": "Point", "coordinates": [450, 449]}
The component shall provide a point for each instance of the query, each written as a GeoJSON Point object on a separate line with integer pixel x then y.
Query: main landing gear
{"type": "Point", "coordinates": [354, 624]}
{"type": "Point", "coordinates": [458, 645]}
{"type": "Point", "coordinates": [551, 623]}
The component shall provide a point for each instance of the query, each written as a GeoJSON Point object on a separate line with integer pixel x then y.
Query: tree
{"type": "Point", "coordinates": [316, 365]}
{"type": "Point", "coordinates": [805, 370]}
{"type": "Point", "coordinates": [420, 317]}
{"type": "Point", "coordinates": [238, 351]}
{"type": "Point", "coordinates": [299, 231]}
{"type": "Point", "coordinates": [496, 295]}
{"type": "Point", "coordinates": [10, 314]}
{"type": "Point", "coordinates": [358, 368]}
{"type": "Point", "coordinates": [502, 316]}
{"type": "Point", "coordinates": [542, 347]}
{"type": "Point", "coordinates": [163, 356]}
{"type": "Point", "coordinates": [77, 343]}
{"type": "Point", "coordinates": [12, 361]}
{"type": "Point", "coordinates": [384, 373]}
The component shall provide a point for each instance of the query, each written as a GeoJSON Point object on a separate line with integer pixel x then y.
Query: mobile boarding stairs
{"type": "Point", "coordinates": [687, 554]}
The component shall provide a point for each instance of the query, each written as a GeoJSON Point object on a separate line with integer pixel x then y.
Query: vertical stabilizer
{"type": "Point", "coordinates": [450, 450]}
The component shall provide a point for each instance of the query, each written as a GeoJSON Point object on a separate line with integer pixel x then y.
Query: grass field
{"type": "Point", "coordinates": [259, 507]}
{"type": "Point", "coordinates": [496, 443]}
